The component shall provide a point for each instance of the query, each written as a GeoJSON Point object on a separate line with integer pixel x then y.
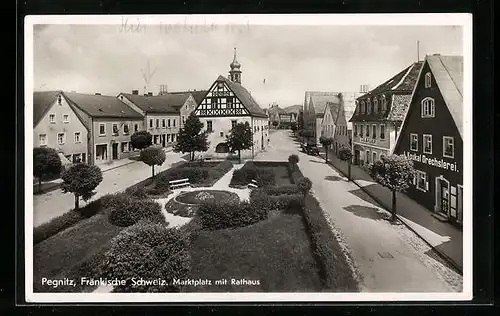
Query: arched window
{"type": "Point", "coordinates": [376, 105]}
{"type": "Point", "coordinates": [428, 80]}
{"type": "Point", "coordinates": [384, 103]}
{"type": "Point", "coordinates": [428, 109]}
{"type": "Point", "coordinates": [368, 106]}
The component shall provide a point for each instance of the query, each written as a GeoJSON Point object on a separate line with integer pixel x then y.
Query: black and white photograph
{"type": "Point", "coordinates": [248, 158]}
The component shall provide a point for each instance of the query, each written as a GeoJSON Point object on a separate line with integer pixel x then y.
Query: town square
{"type": "Point", "coordinates": [250, 159]}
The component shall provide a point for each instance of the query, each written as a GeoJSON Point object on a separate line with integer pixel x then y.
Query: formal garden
{"type": "Point", "coordinates": [277, 239]}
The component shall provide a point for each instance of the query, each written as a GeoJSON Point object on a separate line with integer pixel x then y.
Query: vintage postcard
{"type": "Point", "coordinates": [248, 158]}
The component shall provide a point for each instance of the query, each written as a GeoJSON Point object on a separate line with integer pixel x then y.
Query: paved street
{"type": "Point", "coordinates": [389, 258]}
{"type": "Point", "coordinates": [56, 203]}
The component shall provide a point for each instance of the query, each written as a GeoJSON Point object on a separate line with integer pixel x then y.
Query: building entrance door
{"type": "Point", "coordinates": [445, 198]}
{"type": "Point", "coordinates": [115, 151]}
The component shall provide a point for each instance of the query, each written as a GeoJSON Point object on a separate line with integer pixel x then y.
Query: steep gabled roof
{"type": "Point", "coordinates": [334, 108]}
{"type": "Point", "coordinates": [404, 81]}
{"type": "Point", "coordinates": [101, 105]}
{"type": "Point", "coordinates": [316, 100]}
{"type": "Point", "coordinates": [448, 73]}
{"type": "Point", "coordinates": [198, 95]}
{"type": "Point", "coordinates": [245, 97]}
{"type": "Point", "coordinates": [42, 100]}
{"type": "Point", "coordinates": [165, 103]}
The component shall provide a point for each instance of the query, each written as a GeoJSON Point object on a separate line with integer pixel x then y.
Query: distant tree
{"type": "Point", "coordinates": [293, 127]}
{"type": "Point", "coordinates": [395, 173]}
{"type": "Point", "coordinates": [191, 137]}
{"type": "Point", "coordinates": [300, 120]}
{"type": "Point", "coordinates": [304, 185]}
{"type": "Point", "coordinates": [240, 138]}
{"type": "Point", "coordinates": [293, 160]}
{"type": "Point", "coordinates": [141, 139]}
{"type": "Point", "coordinates": [326, 142]}
{"type": "Point", "coordinates": [152, 156]}
{"type": "Point", "coordinates": [276, 123]}
{"type": "Point", "coordinates": [345, 154]}
{"type": "Point", "coordinates": [46, 162]}
{"type": "Point", "coordinates": [81, 179]}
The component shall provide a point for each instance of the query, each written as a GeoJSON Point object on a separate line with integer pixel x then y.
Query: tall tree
{"type": "Point", "coordinates": [81, 179]}
{"type": "Point", "coordinates": [191, 137]}
{"type": "Point", "coordinates": [395, 173]}
{"type": "Point", "coordinates": [141, 139]}
{"type": "Point", "coordinates": [240, 138]}
{"type": "Point", "coordinates": [153, 156]}
{"type": "Point", "coordinates": [293, 127]}
{"type": "Point", "coordinates": [345, 154]}
{"type": "Point", "coordinates": [46, 162]}
{"type": "Point", "coordinates": [326, 142]}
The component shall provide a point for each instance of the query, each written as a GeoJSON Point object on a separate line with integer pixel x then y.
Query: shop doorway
{"type": "Point", "coordinates": [114, 151]}
{"type": "Point", "coordinates": [444, 197]}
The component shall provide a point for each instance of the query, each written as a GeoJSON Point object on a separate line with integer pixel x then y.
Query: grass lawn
{"type": "Point", "coordinates": [69, 248]}
{"type": "Point", "coordinates": [276, 252]}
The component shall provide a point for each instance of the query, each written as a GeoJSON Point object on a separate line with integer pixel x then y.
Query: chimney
{"type": "Point", "coordinates": [135, 92]}
{"type": "Point", "coordinates": [150, 94]}
{"type": "Point", "coordinates": [97, 93]}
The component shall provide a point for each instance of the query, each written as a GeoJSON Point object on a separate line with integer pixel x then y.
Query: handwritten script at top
{"type": "Point", "coordinates": [134, 26]}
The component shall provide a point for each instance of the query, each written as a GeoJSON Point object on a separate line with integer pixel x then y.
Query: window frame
{"type": "Point", "coordinates": [52, 118]}
{"type": "Point", "coordinates": [411, 141]}
{"type": "Point", "coordinates": [136, 127]}
{"type": "Point", "coordinates": [428, 80]}
{"type": "Point", "coordinates": [428, 108]}
{"type": "Point", "coordinates": [382, 135]}
{"type": "Point", "coordinates": [104, 133]}
{"type": "Point", "coordinates": [163, 123]}
{"type": "Point", "coordinates": [211, 129]}
{"type": "Point", "coordinates": [65, 121]}
{"type": "Point", "coordinates": [421, 175]}
{"type": "Point", "coordinates": [63, 138]}
{"type": "Point", "coordinates": [45, 139]}
{"type": "Point", "coordinates": [126, 132]}
{"type": "Point", "coordinates": [452, 144]}
{"type": "Point", "coordinates": [374, 131]}
{"type": "Point", "coordinates": [355, 129]}
{"type": "Point", "coordinates": [79, 137]}
{"type": "Point", "coordinates": [425, 139]}
{"type": "Point", "coordinates": [113, 129]}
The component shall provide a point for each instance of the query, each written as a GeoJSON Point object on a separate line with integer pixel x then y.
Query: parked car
{"type": "Point", "coordinates": [310, 149]}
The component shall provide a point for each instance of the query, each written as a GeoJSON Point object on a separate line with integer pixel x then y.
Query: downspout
{"type": "Point", "coordinates": [90, 141]}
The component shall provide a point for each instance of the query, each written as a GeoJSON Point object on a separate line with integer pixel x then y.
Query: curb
{"type": "Point", "coordinates": [125, 164]}
{"type": "Point", "coordinates": [444, 256]}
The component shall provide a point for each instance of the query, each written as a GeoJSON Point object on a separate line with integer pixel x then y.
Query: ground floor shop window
{"type": "Point", "coordinates": [101, 152]}
{"type": "Point", "coordinates": [125, 147]}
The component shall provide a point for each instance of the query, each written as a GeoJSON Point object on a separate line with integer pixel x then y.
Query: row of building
{"type": "Point", "coordinates": [95, 128]}
{"type": "Point", "coordinates": [416, 113]}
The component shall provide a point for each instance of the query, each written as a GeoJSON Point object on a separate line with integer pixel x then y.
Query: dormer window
{"type": "Point", "coordinates": [376, 106]}
{"type": "Point", "coordinates": [428, 80]}
{"type": "Point", "coordinates": [384, 103]}
{"type": "Point", "coordinates": [363, 107]}
{"type": "Point", "coordinates": [368, 106]}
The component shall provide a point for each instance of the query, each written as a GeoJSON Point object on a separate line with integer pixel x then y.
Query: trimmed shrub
{"type": "Point", "coordinates": [138, 192]}
{"type": "Point", "coordinates": [280, 189]}
{"type": "Point", "coordinates": [229, 214]}
{"type": "Point", "coordinates": [149, 251]}
{"type": "Point", "coordinates": [135, 211]}
{"type": "Point", "coordinates": [65, 221]}
{"type": "Point", "coordinates": [287, 202]}
{"type": "Point", "coordinates": [304, 184]}
{"type": "Point", "coordinates": [116, 200]}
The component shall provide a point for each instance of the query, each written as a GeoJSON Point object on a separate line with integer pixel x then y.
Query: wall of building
{"type": "Point", "coordinates": [373, 145]}
{"type": "Point", "coordinates": [186, 110]}
{"type": "Point", "coordinates": [158, 126]}
{"type": "Point", "coordinates": [70, 148]}
{"type": "Point", "coordinates": [434, 164]}
{"type": "Point", "coordinates": [124, 149]}
{"type": "Point", "coordinates": [221, 127]}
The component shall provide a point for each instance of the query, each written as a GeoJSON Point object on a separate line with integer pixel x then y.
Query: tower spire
{"type": "Point", "coordinates": [235, 72]}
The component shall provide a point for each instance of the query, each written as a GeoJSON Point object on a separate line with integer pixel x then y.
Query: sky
{"type": "Point", "coordinates": [278, 63]}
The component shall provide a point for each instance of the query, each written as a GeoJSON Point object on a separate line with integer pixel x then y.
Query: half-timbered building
{"type": "Point", "coordinates": [226, 104]}
{"type": "Point", "coordinates": [432, 136]}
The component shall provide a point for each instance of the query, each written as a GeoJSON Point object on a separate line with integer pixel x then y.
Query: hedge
{"type": "Point", "coordinates": [263, 175]}
{"type": "Point", "coordinates": [149, 251]}
{"type": "Point", "coordinates": [230, 214]}
{"type": "Point", "coordinates": [335, 271]}
{"type": "Point", "coordinates": [134, 211]}
{"type": "Point", "coordinates": [66, 220]}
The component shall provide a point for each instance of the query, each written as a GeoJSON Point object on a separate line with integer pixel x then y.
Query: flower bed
{"type": "Point", "coordinates": [204, 196]}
